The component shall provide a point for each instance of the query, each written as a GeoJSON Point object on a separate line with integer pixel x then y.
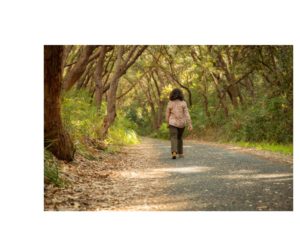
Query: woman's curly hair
{"type": "Point", "coordinates": [176, 94]}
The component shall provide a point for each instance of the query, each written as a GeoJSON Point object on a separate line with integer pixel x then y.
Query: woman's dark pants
{"type": "Point", "coordinates": [176, 139]}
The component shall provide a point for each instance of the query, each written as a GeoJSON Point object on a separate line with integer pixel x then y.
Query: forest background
{"type": "Point", "coordinates": [105, 96]}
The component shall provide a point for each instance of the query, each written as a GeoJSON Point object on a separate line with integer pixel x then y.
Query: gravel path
{"type": "Point", "coordinates": [209, 178]}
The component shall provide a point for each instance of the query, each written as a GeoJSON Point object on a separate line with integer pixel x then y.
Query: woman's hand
{"type": "Point", "coordinates": [190, 127]}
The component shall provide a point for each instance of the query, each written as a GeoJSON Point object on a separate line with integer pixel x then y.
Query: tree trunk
{"type": "Point", "coordinates": [153, 116]}
{"type": "Point", "coordinates": [250, 87]}
{"type": "Point", "coordinates": [112, 95]}
{"type": "Point", "coordinates": [81, 83]}
{"type": "Point", "coordinates": [56, 139]}
{"type": "Point", "coordinates": [120, 69]}
{"type": "Point", "coordinates": [221, 95]}
{"type": "Point", "coordinates": [205, 104]}
{"type": "Point", "coordinates": [160, 102]}
{"type": "Point", "coordinates": [233, 94]}
{"type": "Point", "coordinates": [98, 77]}
{"type": "Point", "coordinates": [160, 114]}
{"type": "Point", "coordinates": [66, 52]}
{"type": "Point", "coordinates": [86, 81]}
{"type": "Point", "coordinates": [231, 89]}
{"type": "Point", "coordinates": [75, 73]}
{"type": "Point", "coordinates": [111, 108]}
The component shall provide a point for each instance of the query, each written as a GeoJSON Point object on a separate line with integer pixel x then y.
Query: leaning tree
{"type": "Point", "coordinates": [56, 138]}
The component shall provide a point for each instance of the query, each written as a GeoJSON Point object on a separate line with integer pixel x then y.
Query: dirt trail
{"type": "Point", "coordinates": [210, 177]}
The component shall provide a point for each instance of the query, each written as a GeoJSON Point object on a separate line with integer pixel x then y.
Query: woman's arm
{"type": "Point", "coordinates": [168, 112]}
{"type": "Point", "coordinates": [187, 116]}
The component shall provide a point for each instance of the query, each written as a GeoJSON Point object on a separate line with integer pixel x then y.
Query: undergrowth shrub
{"type": "Point", "coordinates": [260, 122]}
{"type": "Point", "coordinates": [51, 169]}
{"type": "Point", "coordinates": [82, 120]}
{"type": "Point", "coordinates": [199, 120]}
{"type": "Point", "coordinates": [162, 132]}
{"type": "Point", "coordinates": [141, 120]}
{"type": "Point", "coordinates": [266, 120]}
{"type": "Point", "coordinates": [80, 115]}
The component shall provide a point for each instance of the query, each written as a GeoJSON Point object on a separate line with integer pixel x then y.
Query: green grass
{"type": "Point", "coordinates": [51, 170]}
{"type": "Point", "coordinates": [119, 135]}
{"type": "Point", "coordinates": [84, 151]}
{"type": "Point", "coordinates": [113, 149]}
{"type": "Point", "coordinates": [273, 147]}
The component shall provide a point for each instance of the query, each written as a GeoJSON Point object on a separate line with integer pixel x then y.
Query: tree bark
{"type": "Point", "coordinates": [82, 82]}
{"type": "Point", "coordinates": [232, 87]}
{"type": "Point", "coordinates": [56, 138]}
{"type": "Point", "coordinates": [98, 77]}
{"type": "Point", "coordinates": [120, 69]}
{"type": "Point", "coordinates": [75, 73]}
{"type": "Point", "coordinates": [220, 95]}
{"type": "Point", "coordinates": [205, 105]}
{"type": "Point", "coordinates": [250, 87]}
{"type": "Point", "coordinates": [67, 49]}
{"type": "Point", "coordinates": [161, 103]}
{"type": "Point", "coordinates": [112, 95]}
{"type": "Point", "coordinates": [233, 94]}
{"type": "Point", "coordinates": [132, 85]}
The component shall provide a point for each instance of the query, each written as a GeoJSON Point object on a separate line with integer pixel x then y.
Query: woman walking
{"type": "Point", "coordinates": [177, 116]}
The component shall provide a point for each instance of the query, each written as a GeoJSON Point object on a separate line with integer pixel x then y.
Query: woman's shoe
{"type": "Point", "coordinates": [173, 155]}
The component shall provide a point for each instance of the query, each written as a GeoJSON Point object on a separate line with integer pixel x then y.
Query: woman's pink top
{"type": "Point", "coordinates": [177, 114]}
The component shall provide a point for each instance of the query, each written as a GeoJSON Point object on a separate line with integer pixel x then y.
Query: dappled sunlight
{"type": "Point", "coordinates": [180, 205]}
{"type": "Point", "coordinates": [164, 172]}
{"type": "Point", "coordinates": [158, 147]}
{"type": "Point", "coordinates": [151, 147]}
{"type": "Point", "coordinates": [272, 175]}
{"type": "Point", "coordinates": [161, 203]}
{"type": "Point", "coordinates": [188, 169]}
{"type": "Point", "coordinates": [256, 176]}
{"type": "Point", "coordinates": [144, 174]}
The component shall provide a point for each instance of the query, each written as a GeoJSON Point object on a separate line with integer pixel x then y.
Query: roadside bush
{"type": "Point", "coordinates": [80, 115]}
{"type": "Point", "coordinates": [263, 121]}
{"type": "Point", "coordinates": [162, 132]}
{"type": "Point", "coordinates": [83, 120]}
{"type": "Point", "coordinates": [200, 121]}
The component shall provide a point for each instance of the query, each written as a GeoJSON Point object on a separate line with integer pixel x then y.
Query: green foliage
{"type": "Point", "coordinates": [266, 120]}
{"type": "Point", "coordinates": [262, 111]}
{"type": "Point", "coordinates": [162, 132]}
{"type": "Point", "coordinates": [84, 121]}
{"type": "Point", "coordinates": [140, 118]}
{"type": "Point", "coordinates": [80, 115]}
{"type": "Point", "coordinates": [122, 136]}
{"type": "Point", "coordinates": [200, 121]}
{"type": "Point", "coordinates": [280, 148]}
{"type": "Point", "coordinates": [122, 132]}
{"type": "Point", "coordinates": [51, 169]}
